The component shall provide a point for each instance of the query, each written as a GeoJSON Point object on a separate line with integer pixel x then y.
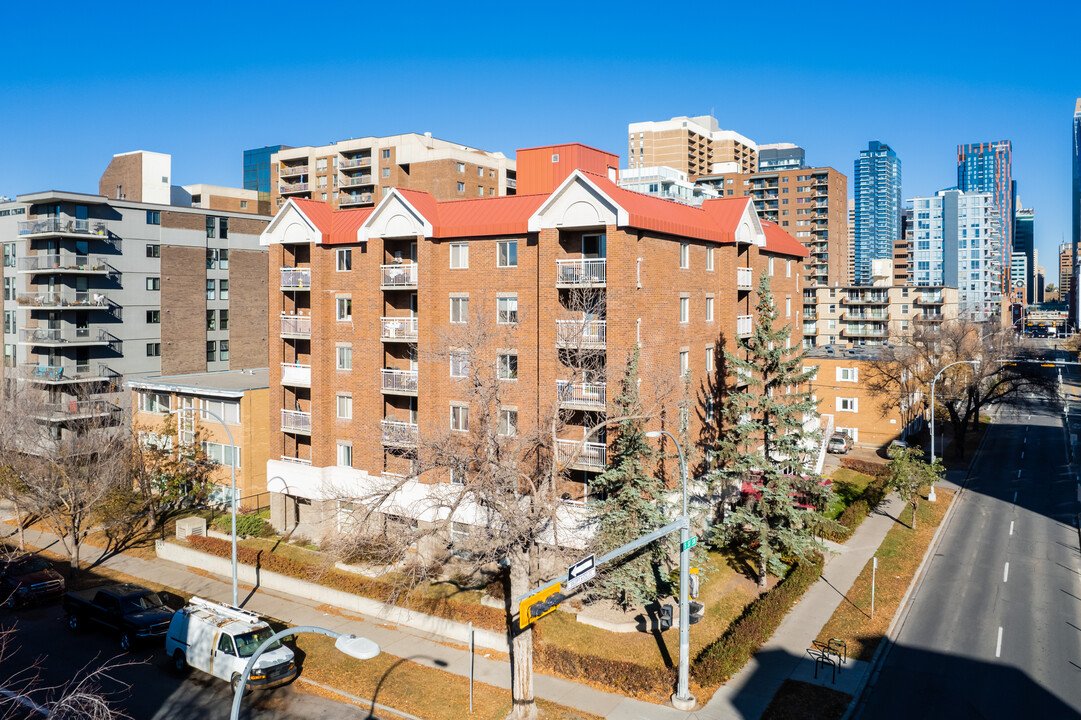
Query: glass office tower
{"type": "Point", "coordinates": [877, 193]}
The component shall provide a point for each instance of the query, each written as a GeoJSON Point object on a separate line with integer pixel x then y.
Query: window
{"type": "Point", "coordinates": [154, 402]}
{"type": "Point", "coordinates": [153, 251]}
{"type": "Point", "coordinates": [507, 366]}
{"type": "Point", "coordinates": [223, 289]}
{"type": "Point", "coordinates": [461, 167]}
{"type": "Point", "coordinates": [459, 256]}
{"type": "Point", "coordinates": [459, 309]}
{"type": "Point", "coordinates": [210, 289]}
{"type": "Point", "coordinates": [153, 317]}
{"type": "Point", "coordinates": [684, 255]}
{"type": "Point", "coordinates": [684, 362]}
{"type": "Point", "coordinates": [507, 310]}
{"type": "Point", "coordinates": [211, 320]}
{"type": "Point", "coordinates": [344, 354]}
{"type": "Point", "coordinates": [508, 422]}
{"type": "Point", "coordinates": [709, 358]}
{"type": "Point", "coordinates": [459, 418]}
{"type": "Point", "coordinates": [846, 404]}
{"type": "Point", "coordinates": [223, 319]}
{"type": "Point", "coordinates": [846, 374]}
{"type": "Point", "coordinates": [771, 267]}
{"type": "Point", "coordinates": [345, 454]}
{"type": "Point", "coordinates": [709, 308]}
{"type": "Point", "coordinates": [788, 268]}
{"type": "Point", "coordinates": [386, 153]}
{"type": "Point", "coordinates": [459, 364]}
{"type": "Point", "coordinates": [480, 191]}
{"type": "Point", "coordinates": [221, 453]}
{"type": "Point", "coordinates": [709, 259]}
{"type": "Point", "coordinates": [684, 309]}
{"type": "Point", "coordinates": [210, 227]}
{"type": "Point", "coordinates": [153, 349]}
{"type": "Point", "coordinates": [386, 173]}
{"type": "Point", "coordinates": [223, 228]}
{"type": "Point", "coordinates": [345, 406]}
{"type": "Point", "coordinates": [211, 258]}
{"type": "Point", "coordinates": [211, 350]}
{"type": "Point", "coordinates": [9, 288]}
{"type": "Point", "coordinates": [223, 350]}
{"type": "Point", "coordinates": [243, 204]}
{"type": "Point", "coordinates": [9, 321]}
{"type": "Point", "coordinates": [788, 306]}
{"type": "Point", "coordinates": [227, 410]}
{"type": "Point", "coordinates": [153, 283]}
{"type": "Point", "coordinates": [345, 259]}
{"type": "Point", "coordinates": [507, 253]}
{"type": "Point", "coordinates": [461, 187]}
{"type": "Point", "coordinates": [153, 217]}
{"type": "Point", "coordinates": [345, 308]}
{"type": "Point", "coordinates": [480, 172]}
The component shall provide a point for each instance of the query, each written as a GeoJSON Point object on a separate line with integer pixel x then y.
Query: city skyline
{"type": "Point", "coordinates": [206, 101]}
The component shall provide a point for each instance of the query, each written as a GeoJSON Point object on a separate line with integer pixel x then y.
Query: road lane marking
{"type": "Point", "coordinates": [1022, 454]}
{"type": "Point", "coordinates": [1015, 496]}
{"type": "Point", "coordinates": [1006, 573]}
{"type": "Point", "coordinates": [1011, 527]}
{"type": "Point", "coordinates": [998, 645]}
{"type": "Point", "coordinates": [1026, 441]}
{"type": "Point", "coordinates": [1019, 474]}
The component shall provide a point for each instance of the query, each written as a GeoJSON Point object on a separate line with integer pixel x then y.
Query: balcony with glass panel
{"type": "Point", "coordinates": [67, 373]}
{"type": "Point", "coordinates": [296, 375]}
{"type": "Point", "coordinates": [77, 410]}
{"type": "Point", "coordinates": [62, 226]}
{"type": "Point", "coordinates": [297, 422]}
{"type": "Point", "coordinates": [285, 171]}
{"type": "Point", "coordinates": [64, 299]}
{"type": "Point", "coordinates": [65, 263]}
{"type": "Point", "coordinates": [296, 278]}
{"type": "Point", "coordinates": [345, 199]}
{"type": "Point", "coordinates": [400, 434]}
{"type": "Point", "coordinates": [296, 326]}
{"type": "Point", "coordinates": [66, 337]}
{"type": "Point", "coordinates": [581, 334]}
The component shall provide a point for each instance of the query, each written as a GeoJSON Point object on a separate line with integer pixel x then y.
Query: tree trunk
{"type": "Point", "coordinates": [74, 554]}
{"type": "Point", "coordinates": [915, 503]}
{"type": "Point", "coordinates": [19, 525]}
{"type": "Point", "coordinates": [521, 642]}
{"type": "Point", "coordinates": [761, 572]}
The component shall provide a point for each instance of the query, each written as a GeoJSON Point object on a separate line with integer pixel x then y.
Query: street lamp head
{"type": "Point", "coordinates": [360, 648]}
{"type": "Point", "coordinates": [654, 433]}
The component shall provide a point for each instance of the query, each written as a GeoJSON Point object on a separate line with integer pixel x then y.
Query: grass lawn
{"type": "Point", "coordinates": [847, 486]}
{"type": "Point", "coordinates": [898, 558]}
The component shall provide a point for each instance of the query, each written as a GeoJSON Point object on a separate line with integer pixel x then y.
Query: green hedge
{"type": "Point", "coordinates": [857, 512]}
{"type": "Point", "coordinates": [723, 658]}
{"type": "Point", "coordinates": [626, 677]}
{"type": "Point", "coordinates": [480, 615]}
{"type": "Point", "coordinates": [247, 524]}
{"type": "Point", "coordinates": [867, 467]}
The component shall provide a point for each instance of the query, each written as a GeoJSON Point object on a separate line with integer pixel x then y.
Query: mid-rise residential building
{"type": "Point", "coordinates": [781, 156]}
{"type": "Point", "coordinates": [1019, 273]}
{"type": "Point", "coordinates": [367, 303]}
{"type": "Point", "coordinates": [1041, 285]}
{"type": "Point", "coordinates": [1065, 268]}
{"type": "Point", "coordinates": [666, 183]}
{"type": "Point", "coordinates": [360, 172]}
{"type": "Point", "coordinates": [694, 145]}
{"type": "Point", "coordinates": [123, 284]}
{"type": "Point", "coordinates": [257, 163]}
{"type": "Point", "coordinates": [902, 250]}
{"type": "Point", "coordinates": [988, 168]}
{"type": "Point", "coordinates": [1024, 243]}
{"type": "Point", "coordinates": [878, 315]}
{"type": "Point", "coordinates": [1075, 195]}
{"type": "Point", "coordinates": [810, 204]}
{"type": "Point", "coordinates": [170, 407]}
{"type": "Point", "coordinates": [958, 244]}
{"type": "Point", "coordinates": [877, 191]}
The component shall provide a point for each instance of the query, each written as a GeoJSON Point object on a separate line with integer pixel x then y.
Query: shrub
{"type": "Point", "coordinates": [867, 467]}
{"type": "Point", "coordinates": [854, 514]}
{"type": "Point", "coordinates": [724, 657]}
{"type": "Point", "coordinates": [247, 524]}
{"type": "Point", "coordinates": [627, 677]}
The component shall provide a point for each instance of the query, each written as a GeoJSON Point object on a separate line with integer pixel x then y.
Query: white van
{"type": "Point", "coordinates": [220, 639]}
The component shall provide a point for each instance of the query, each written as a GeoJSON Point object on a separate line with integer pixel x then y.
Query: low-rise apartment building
{"type": "Point", "coordinates": [694, 145]}
{"type": "Point", "coordinates": [366, 300]}
{"type": "Point", "coordinates": [873, 315]}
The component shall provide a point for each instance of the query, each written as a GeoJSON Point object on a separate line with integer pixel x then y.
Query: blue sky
{"type": "Point", "coordinates": [204, 81]}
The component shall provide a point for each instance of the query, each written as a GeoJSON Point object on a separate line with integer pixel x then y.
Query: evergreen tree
{"type": "Point", "coordinates": [633, 503]}
{"type": "Point", "coordinates": [762, 444]}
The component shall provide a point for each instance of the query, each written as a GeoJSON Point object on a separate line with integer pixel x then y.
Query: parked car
{"type": "Point", "coordinates": [900, 444]}
{"type": "Point", "coordinates": [29, 579]}
{"type": "Point", "coordinates": [219, 639]}
{"type": "Point", "coordinates": [134, 613]}
{"type": "Point", "coordinates": [839, 443]}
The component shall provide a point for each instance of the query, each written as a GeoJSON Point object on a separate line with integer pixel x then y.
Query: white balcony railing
{"type": "Point", "coordinates": [296, 374]}
{"type": "Point", "coordinates": [296, 460]}
{"type": "Point", "coordinates": [359, 162]}
{"type": "Point", "coordinates": [356, 181]}
{"type": "Point", "coordinates": [289, 170]}
{"type": "Point", "coordinates": [586, 272]}
{"type": "Point", "coordinates": [294, 187]}
{"type": "Point", "coordinates": [744, 325]}
{"type": "Point", "coordinates": [64, 298]}
{"type": "Point", "coordinates": [581, 333]}
{"type": "Point", "coordinates": [297, 421]}
{"type": "Point", "coordinates": [65, 263]}
{"type": "Point", "coordinates": [400, 433]}
{"type": "Point", "coordinates": [296, 325]}
{"type": "Point", "coordinates": [581, 395]}
{"type": "Point", "coordinates": [582, 455]}
{"type": "Point", "coordinates": [399, 381]}
{"type": "Point", "coordinates": [77, 409]}
{"type": "Point", "coordinates": [65, 225]}
{"type": "Point", "coordinates": [296, 278]}
{"type": "Point", "coordinates": [401, 329]}
{"type": "Point", "coordinates": [401, 275]}
{"type": "Point", "coordinates": [354, 199]}
{"type": "Point", "coordinates": [744, 278]}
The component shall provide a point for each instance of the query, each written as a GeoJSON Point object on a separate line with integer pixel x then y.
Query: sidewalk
{"type": "Point", "coordinates": [744, 696]}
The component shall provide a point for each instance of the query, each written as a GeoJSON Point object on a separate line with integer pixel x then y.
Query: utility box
{"type": "Point", "coordinates": [193, 525]}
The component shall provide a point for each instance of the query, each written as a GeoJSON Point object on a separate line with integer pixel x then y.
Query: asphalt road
{"type": "Point", "coordinates": [145, 689]}
{"type": "Point", "coordinates": [994, 630]}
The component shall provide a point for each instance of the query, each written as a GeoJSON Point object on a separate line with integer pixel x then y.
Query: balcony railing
{"type": "Point", "coordinates": [930, 317]}
{"type": "Point", "coordinates": [581, 333]}
{"type": "Point", "coordinates": [63, 226]}
{"type": "Point", "coordinates": [64, 298]}
{"type": "Point", "coordinates": [512, 183]}
{"type": "Point", "coordinates": [401, 275]}
{"type": "Point", "coordinates": [591, 272]}
{"type": "Point", "coordinates": [399, 382]}
{"type": "Point", "coordinates": [288, 170]}
{"type": "Point", "coordinates": [930, 299]}
{"type": "Point", "coordinates": [296, 278]}
{"type": "Point", "coordinates": [868, 299]}
{"type": "Point", "coordinates": [298, 326]}
{"type": "Point", "coordinates": [354, 199]}
{"type": "Point", "coordinates": [296, 375]}
{"type": "Point", "coordinates": [66, 335]}
{"type": "Point", "coordinates": [581, 396]}
{"type": "Point", "coordinates": [400, 433]}
{"type": "Point", "coordinates": [296, 460]}
{"type": "Point", "coordinates": [582, 455]}
{"type": "Point", "coordinates": [864, 315]}
{"type": "Point", "coordinates": [744, 325]}
{"type": "Point", "coordinates": [403, 329]}
{"type": "Point", "coordinates": [77, 409]}
{"type": "Point", "coordinates": [865, 332]}
{"type": "Point", "coordinates": [65, 263]}
{"type": "Point", "coordinates": [295, 421]}
{"type": "Point", "coordinates": [349, 164]}
{"type": "Point", "coordinates": [287, 188]}
{"type": "Point", "coordinates": [744, 278]}
{"type": "Point", "coordinates": [356, 180]}
{"type": "Point", "coordinates": [67, 373]}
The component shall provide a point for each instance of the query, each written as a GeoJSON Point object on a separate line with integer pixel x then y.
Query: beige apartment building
{"type": "Point", "coordinates": [693, 145]}
{"type": "Point", "coordinates": [863, 315]}
{"type": "Point", "coordinates": [359, 173]}
{"type": "Point", "coordinates": [811, 204]}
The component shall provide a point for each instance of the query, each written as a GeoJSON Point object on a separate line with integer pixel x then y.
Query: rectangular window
{"type": "Point", "coordinates": [847, 404]}
{"type": "Point", "coordinates": [459, 309]}
{"type": "Point", "coordinates": [211, 289]}
{"type": "Point", "coordinates": [508, 422]}
{"type": "Point", "coordinates": [461, 167]}
{"type": "Point", "coordinates": [461, 187]}
{"type": "Point", "coordinates": [684, 255]}
{"type": "Point", "coordinates": [345, 308]}
{"type": "Point", "coordinates": [771, 267]}
{"type": "Point", "coordinates": [345, 259]}
{"type": "Point", "coordinates": [845, 374]}
{"type": "Point", "coordinates": [788, 306]}
{"type": "Point", "coordinates": [153, 349]}
{"type": "Point", "coordinates": [154, 402]}
{"type": "Point", "coordinates": [709, 309]}
{"type": "Point", "coordinates": [345, 454]}
{"type": "Point", "coordinates": [507, 366]}
{"type": "Point", "coordinates": [709, 358]}
{"type": "Point", "coordinates": [459, 418]}
{"type": "Point", "coordinates": [153, 317]}
{"type": "Point", "coordinates": [153, 217]}
{"type": "Point", "coordinates": [227, 410]}
{"type": "Point", "coordinates": [345, 407]}
{"type": "Point", "coordinates": [344, 357]}
{"type": "Point", "coordinates": [153, 251]}
{"type": "Point", "coordinates": [386, 172]}
{"type": "Point", "coordinates": [788, 268]}
{"type": "Point", "coordinates": [223, 319]}
{"type": "Point", "coordinates": [211, 258]}
{"type": "Point", "coordinates": [386, 153]}
{"type": "Point", "coordinates": [221, 453]}
{"type": "Point", "coordinates": [684, 362]}
{"type": "Point", "coordinates": [459, 256]}
{"type": "Point", "coordinates": [9, 288]}
{"type": "Point", "coordinates": [506, 310]}
{"type": "Point", "coordinates": [223, 350]}
{"type": "Point", "coordinates": [507, 253]}
{"type": "Point", "coordinates": [223, 289]}
{"type": "Point", "coordinates": [211, 350]}
{"type": "Point", "coordinates": [210, 227]}
{"type": "Point", "coordinates": [459, 364]}
{"type": "Point", "coordinates": [211, 320]}
{"type": "Point", "coordinates": [684, 309]}
{"type": "Point", "coordinates": [153, 283]}
{"type": "Point", "coordinates": [480, 172]}
{"type": "Point", "coordinates": [223, 259]}
{"type": "Point", "coordinates": [9, 321]}
{"type": "Point", "coordinates": [709, 259]}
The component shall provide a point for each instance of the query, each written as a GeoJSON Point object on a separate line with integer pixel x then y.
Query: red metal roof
{"type": "Point", "coordinates": [780, 242]}
{"type": "Point", "coordinates": [480, 217]}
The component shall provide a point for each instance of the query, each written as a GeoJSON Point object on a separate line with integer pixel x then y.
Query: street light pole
{"type": "Point", "coordinates": [232, 473]}
{"type": "Point", "coordinates": [931, 495]}
{"type": "Point", "coordinates": [682, 700]}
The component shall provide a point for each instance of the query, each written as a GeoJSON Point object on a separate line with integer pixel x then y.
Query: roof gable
{"type": "Point", "coordinates": [298, 223]}
{"type": "Point", "coordinates": [398, 215]}
{"type": "Point", "coordinates": [578, 203]}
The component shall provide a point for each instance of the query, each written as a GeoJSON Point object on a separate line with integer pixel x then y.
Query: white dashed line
{"type": "Point", "coordinates": [1006, 573]}
{"type": "Point", "coordinates": [1025, 441]}
{"type": "Point", "coordinates": [1015, 497]}
{"type": "Point", "coordinates": [998, 645]}
{"type": "Point", "coordinates": [1022, 454]}
{"type": "Point", "coordinates": [1018, 473]}
{"type": "Point", "coordinates": [1011, 527]}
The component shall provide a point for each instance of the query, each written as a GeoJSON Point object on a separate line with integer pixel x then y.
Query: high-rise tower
{"type": "Point", "coordinates": [987, 168]}
{"type": "Point", "coordinates": [877, 191]}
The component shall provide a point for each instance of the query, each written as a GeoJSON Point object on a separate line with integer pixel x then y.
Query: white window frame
{"type": "Point", "coordinates": [459, 364]}
{"type": "Point", "coordinates": [771, 267]}
{"type": "Point", "coordinates": [222, 453]}
{"type": "Point", "coordinates": [709, 259]}
{"type": "Point", "coordinates": [504, 361]}
{"type": "Point", "coordinates": [788, 306]}
{"type": "Point", "coordinates": [684, 309]}
{"type": "Point", "coordinates": [710, 351]}
{"type": "Point", "coordinates": [848, 374]}
{"type": "Point", "coordinates": [459, 310]}
{"type": "Point", "coordinates": [506, 312]}
{"type": "Point", "coordinates": [343, 357]}
{"type": "Point", "coordinates": [343, 403]}
{"type": "Point", "coordinates": [345, 452]}
{"type": "Point", "coordinates": [500, 260]}
{"type": "Point", "coordinates": [344, 259]}
{"type": "Point", "coordinates": [343, 308]}
{"type": "Point", "coordinates": [459, 418]}
{"type": "Point", "coordinates": [709, 308]}
{"type": "Point", "coordinates": [684, 256]}
{"type": "Point", "coordinates": [508, 422]}
{"type": "Point", "coordinates": [684, 363]}
{"type": "Point", "coordinates": [848, 405]}
{"type": "Point", "coordinates": [459, 256]}
{"type": "Point", "coordinates": [227, 410]}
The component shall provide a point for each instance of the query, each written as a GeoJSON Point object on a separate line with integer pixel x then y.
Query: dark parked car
{"type": "Point", "coordinates": [134, 613]}
{"type": "Point", "coordinates": [28, 579]}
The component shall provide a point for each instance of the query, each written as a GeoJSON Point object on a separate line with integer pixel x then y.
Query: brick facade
{"type": "Point", "coordinates": [183, 313]}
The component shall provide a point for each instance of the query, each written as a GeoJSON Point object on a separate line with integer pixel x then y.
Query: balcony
{"type": "Point", "coordinates": [866, 299]}
{"type": "Point", "coordinates": [350, 164]}
{"type": "Point", "coordinates": [290, 188]}
{"type": "Point", "coordinates": [65, 264]}
{"type": "Point", "coordinates": [291, 170]}
{"type": "Point", "coordinates": [399, 276]}
{"type": "Point", "coordinates": [67, 373]}
{"type": "Point", "coordinates": [399, 382]}
{"type": "Point", "coordinates": [65, 299]}
{"type": "Point", "coordinates": [512, 183]}
{"type": "Point", "coordinates": [810, 313]}
{"type": "Point", "coordinates": [296, 326]}
{"type": "Point", "coordinates": [744, 278]}
{"type": "Point", "coordinates": [296, 460]}
{"type": "Point", "coordinates": [581, 396]}
{"type": "Point", "coordinates": [581, 334]}
{"type": "Point", "coordinates": [743, 377]}
{"type": "Point", "coordinates": [864, 315]}
{"type": "Point", "coordinates": [744, 325]}
{"type": "Point", "coordinates": [930, 317]}
{"type": "Point", "coordinates": [402, 329]}
{"type": "Point", "coordinates": [356, 181]}
{"type": "Point", "coordinates": [297, 422]}
{"type": "Point", "coordinates": [865, 332]}
{"type": "Point", "coordinates": [77, 410]}
{"type": "Point", "coordinates": [582, 455]}
{"type": "Point", "coordinates": [929, 299]}
{"type": "Point", "coordinates": [296, 278]}
{"type": "Point", "coordinates": [46, 227]}
{"type": "Point", "coordinates": [400, 434]}
{"type": "Point", "coordinates": [68, 336]}
{"type": "Point", "coordinates": [296, 375]}
{"type": "Point", "coordinates": [354, 199]}
{"type": "Point", "coordinates": [590, 272]}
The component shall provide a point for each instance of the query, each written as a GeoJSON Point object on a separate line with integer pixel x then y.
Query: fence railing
{"type": "Point", "coordinates": [296, 325]}
{"type": "Point", "coordinates": [296, 460]}
{"type": "Point", "coordinates": [573, 453]}
{"type": "Point", "coordinates": [581, 394]}
{"type": "Point", "coordinates": [61, 262]}
{"type": "Point", "coordinates": [287, 170]}
{"type": "Point", "coordinates": [296, 374]}
{"type": "Point", "coordinates": [403, 328]}
{"type": "Point", "coordinates": [581, 333]}
{"type": "Point", "coordinates": [63, 225]}
{"type": "Point", "coordinates": [294, 187]}
{"type": "Point", "coordinates": [72, 371]}
{"type": "Point", "coordinates": [354, 198]}
{"type": "Point", "coordinates": [400, 433]}
{"type": "Point", "coordinates": [399, 380]}
{"type": "Point", "coordinates": [296, 278]}
{"type": "Point", "coordinates": [399, 275]}
{"type": "Point", "coordinates": [744, 325]}
{"type": "Point", "coordinates": [590, 271]}
{"type": "Point", "coordinates": [297, 421]}
{"type": "Point", "coordinates": [354, 163]}
{"type": "Point", "coordinates": [744, 278]}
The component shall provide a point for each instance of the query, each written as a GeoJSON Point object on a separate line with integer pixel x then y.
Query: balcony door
{"type": "Point", "coordinates": [412, 305]}
{"type": "Point", "coordinates": [594, 247]}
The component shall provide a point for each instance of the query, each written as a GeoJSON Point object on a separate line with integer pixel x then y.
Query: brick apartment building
{"type": "Point", "coordinates": [873, 315]}
{"type": "Point", "coordinates": [365, 298]}
{"type": "Point", "coordinates": [359, 173]}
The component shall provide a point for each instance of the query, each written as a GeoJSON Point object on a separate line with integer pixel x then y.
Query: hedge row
{"type": "Point", "coordinates": [724, 657]}
{"type": "Point", "coordinates": [867, 467]}
{"type": "Point", "coordinates": [626, 677]}
{"type": "Point", "coordinates": [857, 512]}
{"type": "Point", "coordinates": [480, 615]}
